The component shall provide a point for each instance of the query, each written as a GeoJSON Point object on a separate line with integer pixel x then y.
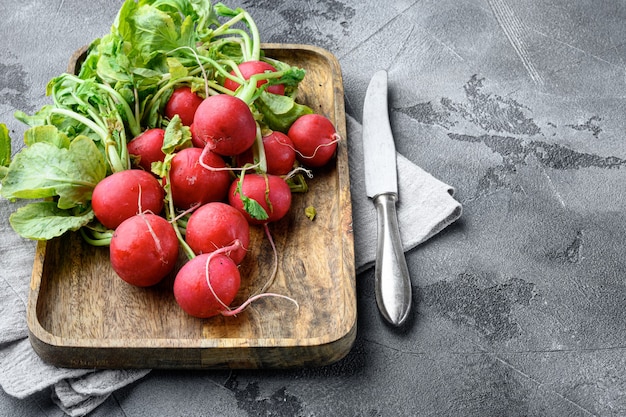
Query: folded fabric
{"type": "Point", "coordinates": [79, 396]}
{"type": "Point", "coordinates": [426, 206]}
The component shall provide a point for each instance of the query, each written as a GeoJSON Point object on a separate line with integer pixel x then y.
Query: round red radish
{"type": "Point", "coordinates": [144, 249]}
{"type": "Point", "coordinates": [116, 197]}
{"type": "Point", "coordinates": [279, 154]}
{"type": "Point", "coordinates": [184, 103]}
{"type": "Point", "coordinates": [147, 148]}
{"type": "Point", "coordinates": [192, 291]}
{"type": "Point", "coordinates": [314, 138]}
{"type": "Point", "coordinates": [193, 141]}
{"type": "Point", "coordinates": [250, 68]}
{"type": "Point", "coordinates": [271, 192]}
{"type": "Point", "coordinates": [224, 123]}
{"type": "Point", "coordinates": [217, 225]}
{"type": "Point", "coordinates": [193, 184]}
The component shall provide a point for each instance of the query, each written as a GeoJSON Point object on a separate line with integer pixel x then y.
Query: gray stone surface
{"type": "Point", "coordinates": [521, 305]}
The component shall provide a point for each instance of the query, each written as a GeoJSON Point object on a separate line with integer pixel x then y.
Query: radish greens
{"type": "Point", "coordinates": [121, 86]}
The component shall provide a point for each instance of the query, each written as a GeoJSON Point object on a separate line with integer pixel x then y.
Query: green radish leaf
{"type": "Point", "coordinates": [279, 112]}
{"type": "Point", "coordinates": [253, 208]}
{"type": "Point", "coordinates": [48, 134]}
{"type": "Point", "coordinates": [44, 220]}
{"type": "Point", "coordinates": [156, 31]}
{"type": "Point", "coordinates": [176, 69]}
{"type": "Point", "coordinates": [162, 168]}
{"type": "Point", "coordinates": [250, 205]}
{"type": "Point", "coordinates": [44, 170]}
{"type": "Point", "coordinates": [5, 151]}
{"type": "Point", "coordinates": [177, 136]}
{"type": "Point", "coordinates": [38, 119]}
{"type": "Point", "coordinates": [5, 146]}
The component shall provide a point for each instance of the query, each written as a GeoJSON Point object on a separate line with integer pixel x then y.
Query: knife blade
{"type": "Point", "coordinates": [392, 280]}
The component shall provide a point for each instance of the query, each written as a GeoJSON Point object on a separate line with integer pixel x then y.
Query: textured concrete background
{"type": "Point", "coordinates": [521, 305]}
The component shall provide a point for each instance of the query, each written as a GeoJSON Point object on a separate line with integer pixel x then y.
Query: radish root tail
{"type": "Point", "coordinates": [336, 139]}
{"type": "Point", "coordinates": [235, 245]}
{"type": "Point", "coordinates": [208, 167]}
{"type": "Point", "coordinates": [250, 300]}
{"type": "Point", "coordinates": [230, 312]}
{"type": "Point", "coordinates": [157, 241]}
{"type": "Point", "coordinates": [272, 277]}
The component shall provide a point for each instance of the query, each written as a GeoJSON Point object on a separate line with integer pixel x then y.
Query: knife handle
{"type": "Point", "coordinates": [392, 280]}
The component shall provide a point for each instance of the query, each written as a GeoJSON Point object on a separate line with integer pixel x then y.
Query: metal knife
{"type": "Point", "coordinates": [392, 280]}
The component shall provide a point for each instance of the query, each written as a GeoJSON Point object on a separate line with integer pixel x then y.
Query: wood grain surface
{"type": "Point", "coordinates": [81, 314]}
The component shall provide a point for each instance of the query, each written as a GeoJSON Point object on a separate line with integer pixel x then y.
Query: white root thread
{"type": "Point", "coordinates": [250, 300]}
{"type": "Point", "coordinates": [236, 244]}
{"type": "Point", "coordinates": [206, 166]}
{"type": "Point", "coordinates": [155, 237]}
{"type": "Point", "coordinates": [228, 312]}
{"type": "Point", "coordinates": [336, 139]}
{"type": "Point", "coordinates": [182, 214]}
{"type": "Point", "coordinates": [139, 205]}
{"type": "Point", "coordinates": [296, 170]}
{"type": "Point", "coordinates": [270, 281]}
{"type": "Point", "coordinates": [204, 74]}
{"type": "Point", "coordinates": [157, 241]}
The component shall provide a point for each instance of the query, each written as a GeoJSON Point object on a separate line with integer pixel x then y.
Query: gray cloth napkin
{"type": "Point", "coordinates": [426, 206]}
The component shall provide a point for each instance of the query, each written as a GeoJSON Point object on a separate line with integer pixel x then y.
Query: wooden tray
{"type": "Point", "coordinates": [81, 315]}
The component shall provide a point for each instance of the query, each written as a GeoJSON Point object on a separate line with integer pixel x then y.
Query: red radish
{"type": "Point", "coordinates": [117, 197]}
{"type": "Point", "coordinates": [147, 148]}
{"type": "Point", "coordinates": [279, 154]}
{"type": "Point", "coordinates": [191, 286]}
{"type": "Point", "coordinates": [184, 103]}
{"type": "Point", "coordinates": [244, 158]}
{"type": "Point", "coordinates": [192, 184]}
{"type": "Point", "coordinates": [217, 225]}
{"type": "Point", "coordinates": [199, 145]}
{"type": "Point", "coordinates": [250, 68]}
{"type": "Point", "coordinates": [225, 123]}
{"type": "Point", "coordinates": [144, 249]}
{"type": "Point", "coordinates": [206, 285]}
{"type": "Point", "coordinates": [314, 138]}
{"type": "Point", "coordinates": [271, 192]}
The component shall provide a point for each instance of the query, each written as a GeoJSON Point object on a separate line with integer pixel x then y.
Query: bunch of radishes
{"type": "Point", "coordinates": [224, 175]}
{"type": "Point", "coordinates": [175, 134]}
